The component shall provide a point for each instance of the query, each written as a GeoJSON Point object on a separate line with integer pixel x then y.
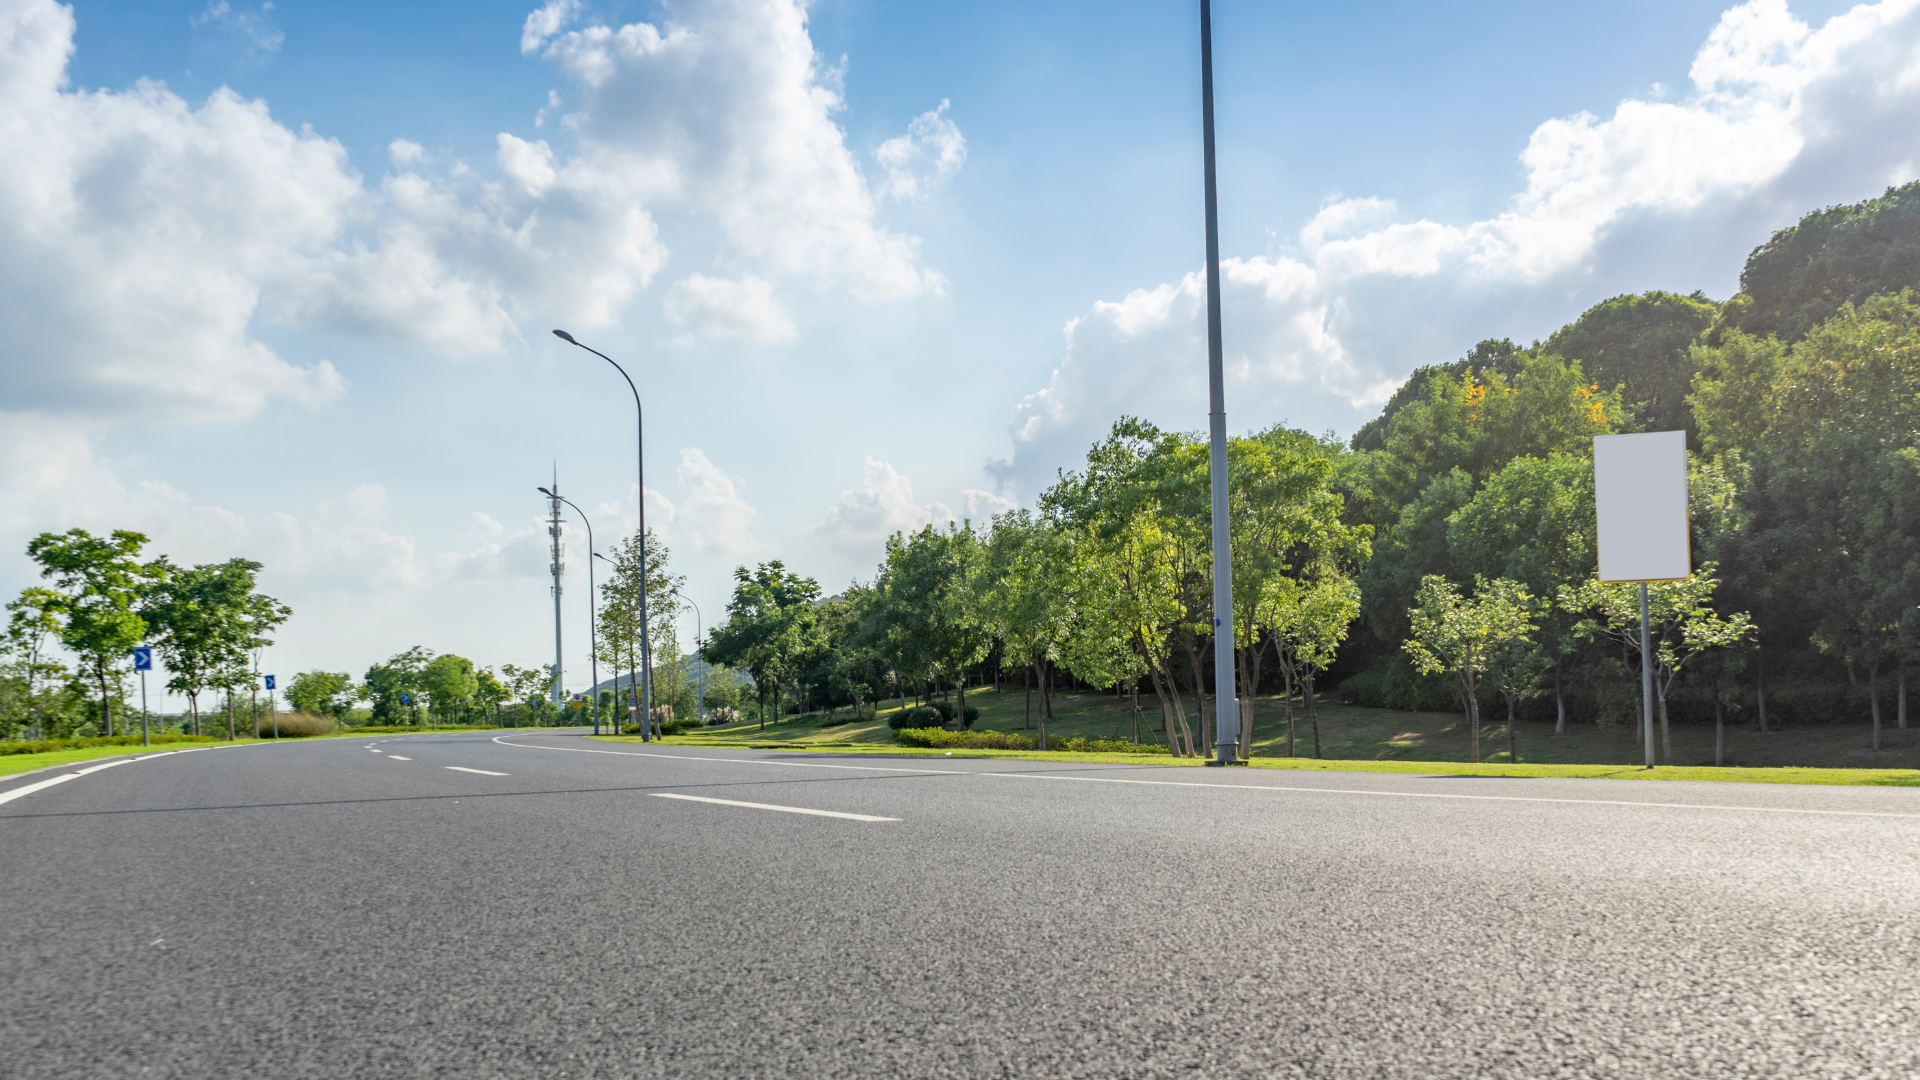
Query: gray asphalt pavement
{"type": "Point", "coordinates": [322, 909]}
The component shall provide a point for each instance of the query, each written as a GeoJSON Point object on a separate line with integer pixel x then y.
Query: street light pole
{"type": "Point", "coordinates": [593, 633]}
{"type": "Point", "coordinates": [645, 675]}
{"type": "Point", "coordinates": [700, 708]}
{"type": "Point", "coordinates": [1226, 702]}
{"type": "Point", "coordinates": [553, 530]}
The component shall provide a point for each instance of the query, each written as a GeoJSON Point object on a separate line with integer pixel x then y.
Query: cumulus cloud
{"type": "Point", "coordinates": [248, 38]}
{"type": "Point", "coordinates": [924, 158]}
{"type": "Point", "coordinates": [981, 506]}
{"type": "Point", "coordinates": [145, 240]}
{"type": "Point", "coordinates": [1662, 194]}
{"type": "Point", "coordinates": [882, 505]}
{"type": "Point", "coordinates": [713, 515]}
{"type": "Point", "coordinates": [743, 310]}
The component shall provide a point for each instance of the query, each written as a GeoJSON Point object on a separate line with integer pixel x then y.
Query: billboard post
{"type": "Point", "coordinates": [1640, 500]}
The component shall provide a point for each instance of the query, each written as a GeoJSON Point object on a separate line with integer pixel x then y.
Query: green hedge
{"type": "Point", "coordinates": [941, 739]}
{"type": "Point", "coordinates": [41, 746]}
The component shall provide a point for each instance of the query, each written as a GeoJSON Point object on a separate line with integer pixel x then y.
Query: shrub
{"type": "Point", "coordinates": [41, 746]}
{"type": "Point", "coordinates": [717, 717]}
{"type": "Point", "coordinates": [1393, 684]}
{"type": "Point", "coordinates": [296, 725]}
{"type": "Point", "coordinates": [920, 716]}
{"type": "Point", "coordinates": [942, 739]}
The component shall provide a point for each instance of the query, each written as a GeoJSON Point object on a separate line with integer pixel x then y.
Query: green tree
{"type": "Point", "coordinates": [384, 684]}
{"type": "Point", "coordinates": [1681, 622]}
{"type": "Point", "coordinates": [1306, 619]}
{"type": "Point", "coordinates": [1841, 255]}
{"type": "Point", "coordinates": [1464, 635]}
{"type": "Point", "coordinates": [450, 685]}
{"type": "Point", "coordinates": [490, 693]}
{"type": "Point", "coordinates": [99, 581]}
{"type": "Point", "coordinates": [1640, 344]}
{"type": "Point", "coordinates": [322, 693]}
{"type": "Point", "coordinates": [30, 673]}
{"type": "Point", "coordinates": [208, 620]}
{"type": "Point", "coordinates": [770, 627]}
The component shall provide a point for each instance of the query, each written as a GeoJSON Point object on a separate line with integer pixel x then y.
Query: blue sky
{"type": "Point", "coordinates": [284, 275]}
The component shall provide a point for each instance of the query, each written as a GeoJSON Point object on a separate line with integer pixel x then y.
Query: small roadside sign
{"type": "Point", "coordinates": [142, 658]}
{"type": "Point", "coordinates": [406, 698]}
{"type": "Point", "coordinates": [269, 682]}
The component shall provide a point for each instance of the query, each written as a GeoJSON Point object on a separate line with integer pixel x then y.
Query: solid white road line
{"type": "Point", "coordinates": [770, 806]}
{"type": "Point", "coordinates": [61, 779]}
{"type": "Point", "coordinates": [1238, 787]}
{"type": "Point", "coordinates": [397, 757]}
{"type": "Point", "coordinates": [482, 772]}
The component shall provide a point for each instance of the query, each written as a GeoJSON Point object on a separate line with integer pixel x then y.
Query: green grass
{"type": "Point", "coordinates": [12, 764]}
{"type": "Point", "coordinates": [1385, 740]}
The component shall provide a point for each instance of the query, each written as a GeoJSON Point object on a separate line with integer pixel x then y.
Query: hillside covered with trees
{"type": "Point", "coordinates": [1443, 558]}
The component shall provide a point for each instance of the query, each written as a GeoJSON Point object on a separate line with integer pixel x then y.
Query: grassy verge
{"type": "Point", "coordinates": [1784, 775]}
{"type": "Point", "coordinates": [13, 764]}
{"type": "Point", "coordinates": [1385, 740]}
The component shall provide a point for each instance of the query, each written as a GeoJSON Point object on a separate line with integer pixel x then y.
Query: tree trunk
{"type": "Point", "coordinates": [1313, 711]}
{"type": "Point", "coordinates": [1873, 696]}
{"type": "Point", "coordinates": [1180, 737]}
{"type": "Point", "coordinates": [106, 702]}
{"type": "Point", "coordinates": [960, 713]}
{"type": "Point", "coordinates": [1666, 730]}
{"type": "Point", "coordinates": [1513, 752]}
{"type": "Point", "coordinates": [1559, 702]}
{"type": "Point", "coordinates": [1287, 676]}
{"type": "Point", "coordinates": [1719, 731]}
{"type": "Point", "coordinates": [1473, 718]}
{"type": "Point", "coordinates": [193, 710]}
{"type": "Point", "coordinates": [230, 733]}
{"type": "Point", "coordinates": [1136, 711]}
{"type": "Point", "coordinates": [1200, 700]}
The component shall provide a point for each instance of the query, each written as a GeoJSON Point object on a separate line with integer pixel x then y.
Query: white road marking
{"type": "Point", "coordinates": [61, 779]}
{"type": "Point", "coordinates": [482, 772]}
{"type": "Point", "coordinates": [1242, 787]}
{"type": "Point", "coordinates": [397, 757]}
{"type": "Point", "coordinates": [770, 806]}
{"type": "Point", "coordinates": [376, 751]}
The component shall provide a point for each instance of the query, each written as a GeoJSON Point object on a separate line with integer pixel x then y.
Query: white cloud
{"type": "Point", "coordinates": [546, 22]}
{"type": "Point", "coordinates": [247, 37]}
{"type": "Point", "coordinates": [981, 506]}
{"type": "Point", "coordinates": [743, 310]}
{"type": "Point", "coordinates": [924, 158]}
{"type": "Point", "coordinates": [712, 515]}
{"type": "Point", "coordinates": [146, 240]}
{"type": "Point", "coordinates": [726, 111]}
{"type": "Point", "coordinates": [1662, 194]}
{"type": "Point", "coordinates": [882, 505]}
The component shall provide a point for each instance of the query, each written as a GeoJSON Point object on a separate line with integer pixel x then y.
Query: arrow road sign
{"type": "Point", "coordinates": [406, 698]}
{"type": "Point", "coordinates": [269, 682]}
{"type": "Point", "coordinates": [142, 658]}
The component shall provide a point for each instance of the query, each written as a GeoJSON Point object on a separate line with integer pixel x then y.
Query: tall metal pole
{"type": "Point", "coordinates": [1646, 674]}
{"type": "Point", "coordinates": [553, 530]}
{"type": "Point", "coordinates": [700, 706]}
{"type": "Point", "coordinates": [645, 674]}
{"type": "Point", "coordinates": [593, 631]}
{"type": "Point", "coordinates": [1226, 711]}
{"type": "Point", "coordinates": [145, 740]}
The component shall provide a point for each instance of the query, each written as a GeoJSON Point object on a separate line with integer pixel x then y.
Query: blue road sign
{"type": "Point", "coordinates": [406, 698]}
{"type": "Point", "coordinates": [269, 682]}
{"type": "Point", "coordinates": [142, 658]}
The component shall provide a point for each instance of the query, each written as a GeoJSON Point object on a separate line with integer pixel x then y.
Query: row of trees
{"type": "Point", "coordinates": [206, 622]}
{"type": "Point", "coordinates": [1445, 556]}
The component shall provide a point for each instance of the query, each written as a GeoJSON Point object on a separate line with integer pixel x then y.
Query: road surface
{"type": "Point", "coordinates": [544, 905]}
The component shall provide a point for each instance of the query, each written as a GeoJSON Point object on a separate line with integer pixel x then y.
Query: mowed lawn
{"type": "Point", "coordinates": [1351, 733]}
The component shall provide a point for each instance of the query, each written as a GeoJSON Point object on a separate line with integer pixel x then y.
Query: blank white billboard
{"type": "Point", "coordinates": [1640, 496]}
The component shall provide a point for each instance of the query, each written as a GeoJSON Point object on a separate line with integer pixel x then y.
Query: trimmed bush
{"type": "Point", "coordinates": [297, 725]}
{"type": "Point", "coordinates": [920, 716]}
{"type": "Point", "coordinates": [941, 739]}
{"type": "Point", "coordinates": [41, 746]}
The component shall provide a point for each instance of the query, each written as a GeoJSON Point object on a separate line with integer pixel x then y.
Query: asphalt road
{"type": "Point", "coordinates": [320, 909]}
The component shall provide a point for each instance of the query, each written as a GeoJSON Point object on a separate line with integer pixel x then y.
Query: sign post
{"type": "Point", "coordinates": [272, 710]}
{"type": "Point", "coordinates": [143, 663]}
{"type": "Point", "coordinates": [1640, 499]}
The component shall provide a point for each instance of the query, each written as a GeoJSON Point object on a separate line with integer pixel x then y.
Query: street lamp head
{"type": "Point", "coordinates": [564, 336]}
{"type": "Point", "coordinates": [545, 492]}
{"type": "Point", "coordinates": [601, 557]}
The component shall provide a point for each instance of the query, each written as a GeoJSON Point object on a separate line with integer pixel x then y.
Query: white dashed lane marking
{"type": "Point", "coordinates": [481, 772]}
